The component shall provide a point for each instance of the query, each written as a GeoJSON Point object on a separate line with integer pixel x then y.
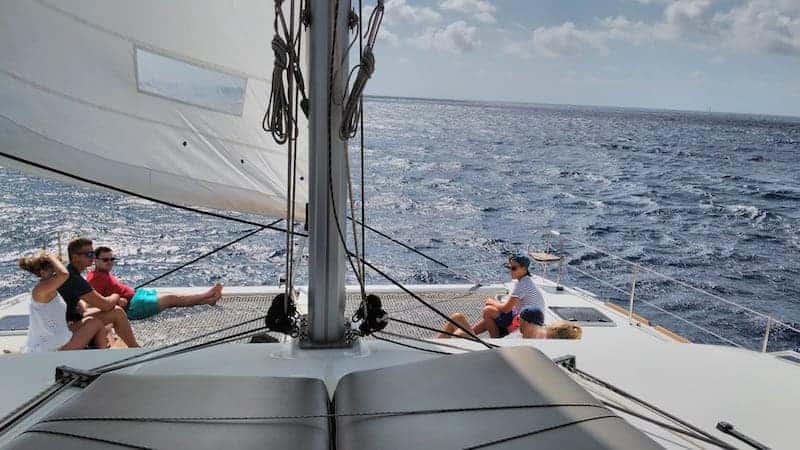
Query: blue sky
{"type": "Point", "coordinates": [726, 55]}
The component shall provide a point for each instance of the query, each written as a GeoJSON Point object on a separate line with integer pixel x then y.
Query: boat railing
{"type": "Point", "coordinates": [637, 271]}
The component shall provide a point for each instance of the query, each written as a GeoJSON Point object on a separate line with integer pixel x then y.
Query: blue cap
{"type": "Point", "coordinates": [520, 259]}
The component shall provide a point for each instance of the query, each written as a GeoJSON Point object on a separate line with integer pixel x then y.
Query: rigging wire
{"type": "Point", "coordinates": [331, 84]}
{"type": "Point", "coordinates": [361, 148]}
{"type": "Point", "coordinates": [541, 430]}
{"type": "Point", "coordinates": [204, 255]}
{"type": "Point", "coordinates": [425, 327]}
{"type": "Point", "coordinates": [256, 419]}
{"type": "Point", "coordinates": [452, 270]}
{"type": "Point", "coordinates": [419, 299]}
{"type": "Point", "coordinates": [33, 404]}
{"type": "Point", "coordinates": [591, 378]}
{"type": "Point", "coordinates": [701, 437]}
{"type": "Point", "coordinates": [141, 196]}
{"type": "Point", "coordinates": [180, 351]}
{"type": "Point", "coordinates": [179, 343]}
{"type": "Point", "coordinates": [424, 341]}
{"type": "Point", "coordinates": [429, 350]}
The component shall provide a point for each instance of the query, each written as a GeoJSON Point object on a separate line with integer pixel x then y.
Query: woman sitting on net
{"type": "Point", "coordinates": [525, 299]}
{"type": "Point", "coordinates": [48, 330]}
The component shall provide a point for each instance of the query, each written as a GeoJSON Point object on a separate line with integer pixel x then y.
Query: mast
{"type": "Point", "coordinates": [326, 296]}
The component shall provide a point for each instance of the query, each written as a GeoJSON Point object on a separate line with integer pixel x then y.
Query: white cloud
{"type": "Point", "coordinates": [481, 10]}
{"type": "Point", "coordinates": [771, 26]}
{"type": "Point", "coordinates": [767, 26]}
{"type": "Point", "coordinates": [400, 11]}
{"type": "Point", "coordinates": [566, 40]}
{"type": "Point", "coordinates": [457, 37]}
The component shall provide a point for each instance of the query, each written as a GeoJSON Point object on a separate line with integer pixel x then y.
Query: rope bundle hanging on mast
{"type": "Point", "coordinates": [352, 109]}
{"type": "Point", "coordinates": [280, 119]}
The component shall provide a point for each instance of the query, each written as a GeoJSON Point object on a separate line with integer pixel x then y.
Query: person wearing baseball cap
{"type": "Point", "coordinates": [525, 301]}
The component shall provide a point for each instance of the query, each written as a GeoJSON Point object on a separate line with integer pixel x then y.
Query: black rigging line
{"type": "Point", "coordinates": [143, 197]}
{"type": "Point", "coordinates": [410, 248]}
{"type": "Point", "coordinates": [331, 82]}
{"type": "Point", "coordinates": [429, 350]}
{"type": "Point", "coordinates": [218, 341]}
{"type": "Point", "coordinates": [624, 394]}
{"type": "Point", "coordinates": [419, 299]}
{"type": "Point", "coordinates": [542, 430]}
{"type": "Point", "coordinates": [257, 419]}
{"type": "Point", "coordinates": [425, 327]}
{"type": "Point", "coordinates": [32, 404]}
{"type": "Point", "coordinates": [714, 441]}
{"type": "Point", "coordinates": [176, 344]}
{"type": "Point", "coordinates": [89, 438]}
{"type": "Point", "coordinates": [205, 255]}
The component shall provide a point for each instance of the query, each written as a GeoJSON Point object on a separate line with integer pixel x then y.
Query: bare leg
{"type": "Point", "coordinates": [103, 338]}
{"type": "Point", "coordinates": [458, 318]}
{"type": "Point", "coordinates": [209, 297]}
{"type": "Point", "coordinates": [122, 326]}
{"type": "Point", "coordinates": [83, 332]}
{"type": "Point", "coordinates": [489, 314]}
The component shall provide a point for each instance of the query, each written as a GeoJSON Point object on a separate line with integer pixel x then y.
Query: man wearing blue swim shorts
{"type": "Point", "coordinates": [141, 303]}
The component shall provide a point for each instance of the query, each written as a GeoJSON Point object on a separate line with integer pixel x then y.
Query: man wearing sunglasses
{"type": "Point", "coordinates": [75, 289]}
{"type": "Point", "coordinates": [141, 303]}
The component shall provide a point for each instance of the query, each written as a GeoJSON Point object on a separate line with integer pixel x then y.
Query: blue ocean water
{"type": "Point", "coordinates": [709, 199]}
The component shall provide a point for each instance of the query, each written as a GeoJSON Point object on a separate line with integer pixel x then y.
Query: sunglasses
{"type": "Point", "coordinates": [107, 259]}
{"type": "Point", "coordinates": [512, 268]}
{"type": "Point", "coordinates": [89, 254]}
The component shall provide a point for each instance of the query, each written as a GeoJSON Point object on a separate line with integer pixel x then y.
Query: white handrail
{"type": "Point", "coordinates": [681, 283]}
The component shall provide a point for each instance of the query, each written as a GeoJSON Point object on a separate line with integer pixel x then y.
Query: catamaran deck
{"type": "Point", "coordinates": [703, 384]}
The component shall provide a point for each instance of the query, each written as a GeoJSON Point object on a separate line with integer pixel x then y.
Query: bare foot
{"type": "Point", "coordinates": [215, 293]}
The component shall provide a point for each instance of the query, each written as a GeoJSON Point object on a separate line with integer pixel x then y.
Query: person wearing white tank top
{"type": "Point", "coordinates": [48, 330]}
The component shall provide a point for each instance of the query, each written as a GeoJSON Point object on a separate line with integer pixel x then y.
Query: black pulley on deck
{"type": "Point", "coordinates": [281, 315]}
{"type": "Point", "coordinates": [374, 318]}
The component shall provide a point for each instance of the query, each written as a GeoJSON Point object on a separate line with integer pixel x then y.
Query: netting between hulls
{"type": "Point", "coordinates": [174, 325]}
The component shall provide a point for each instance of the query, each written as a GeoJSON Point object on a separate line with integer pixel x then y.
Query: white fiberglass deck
{"type": "Point", "coordinates": [702, 384]}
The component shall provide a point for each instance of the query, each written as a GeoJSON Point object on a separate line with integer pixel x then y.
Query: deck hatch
{"type": "Point", "coordinates": [583, 315]}
{"type": "Point", "coordinates": [18, 322]}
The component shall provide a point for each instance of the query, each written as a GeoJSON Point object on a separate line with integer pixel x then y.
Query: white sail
{"type": "Point", "coordinates": [160, 98]}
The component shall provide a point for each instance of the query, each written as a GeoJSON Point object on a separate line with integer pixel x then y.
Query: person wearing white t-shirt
{"type": "Point", "coordinates": [525, 301]}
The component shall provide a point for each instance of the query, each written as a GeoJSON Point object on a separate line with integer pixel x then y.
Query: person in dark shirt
{"type": "Point", "coordinates": [76, 288]}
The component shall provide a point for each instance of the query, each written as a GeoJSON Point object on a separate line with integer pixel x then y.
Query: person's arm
{"type": "Point", "coordinates": [508, 305]}
{"type": "Point", "coordinates": [46, 289]}
{"type": "Point", "coordinates": [94, 299]}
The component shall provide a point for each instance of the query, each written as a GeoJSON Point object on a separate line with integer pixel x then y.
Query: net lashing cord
{"type": "Point", "coordinates": [279, 119]}
{"type": "Point", "coordinates": [352, 110]}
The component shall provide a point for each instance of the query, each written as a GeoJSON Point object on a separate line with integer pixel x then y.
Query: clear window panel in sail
{"type": "Point", "coordinates": [189, 83]}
